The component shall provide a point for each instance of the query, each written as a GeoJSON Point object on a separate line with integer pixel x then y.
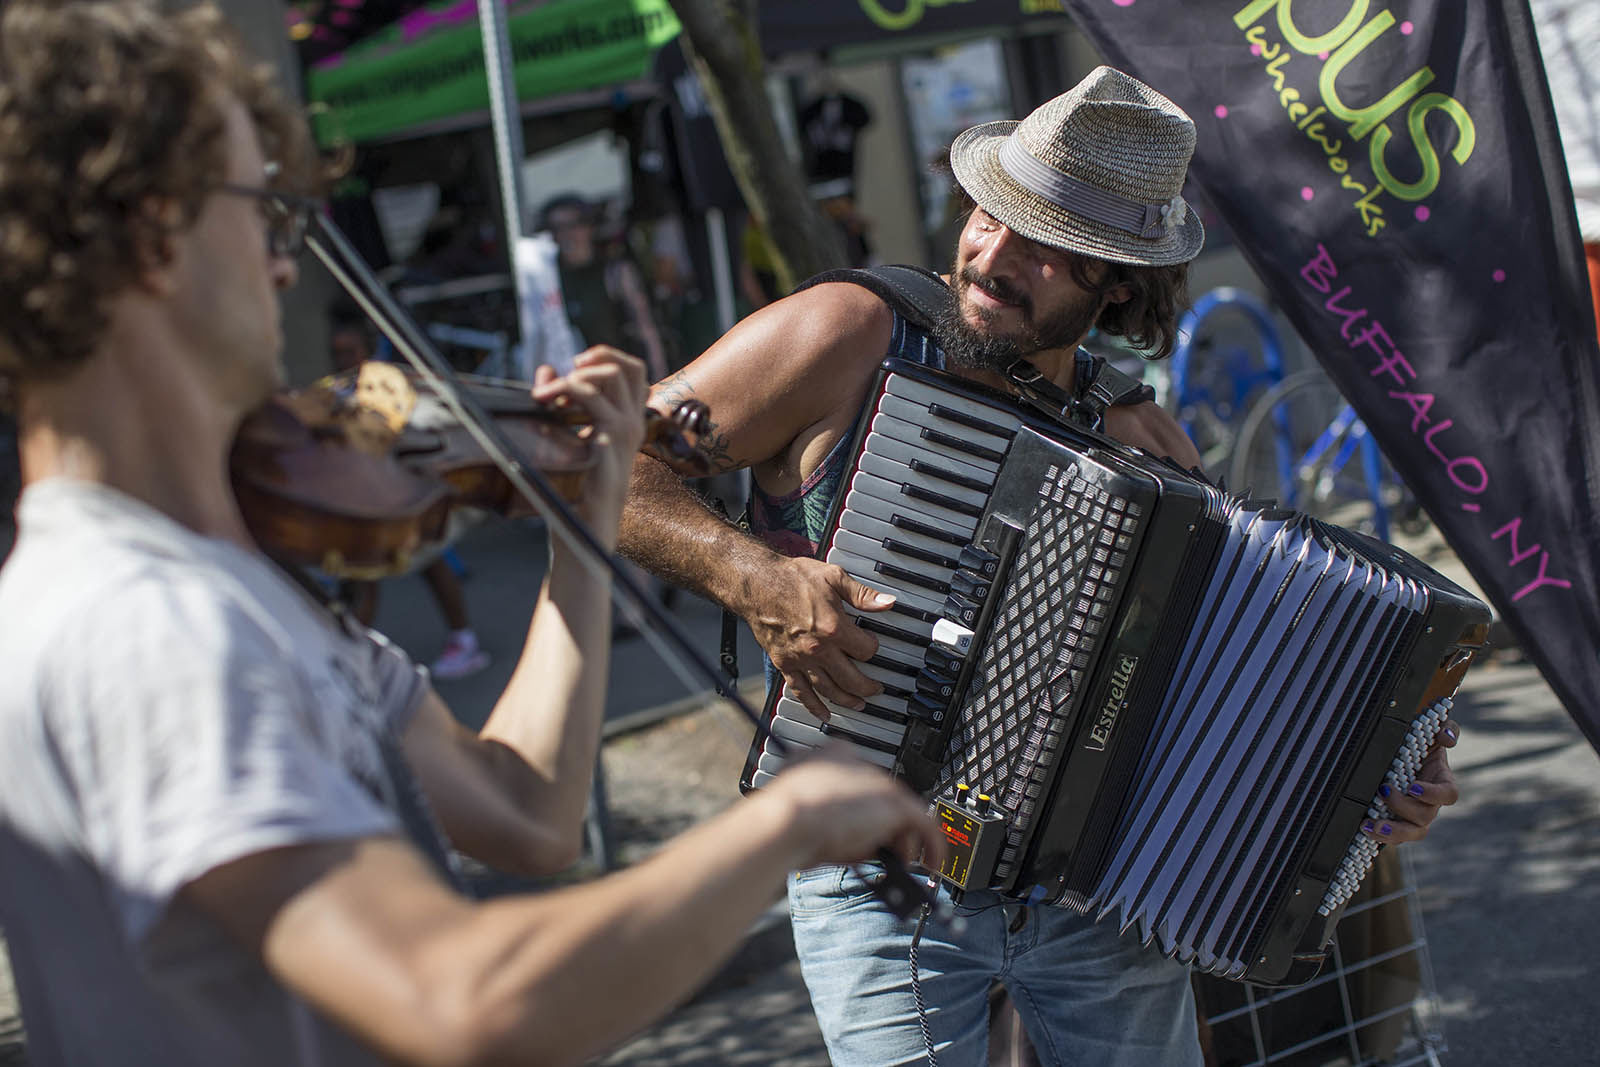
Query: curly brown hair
{"type": "Point", "coordinates": [108, 110]}
{"type": "Point", "coordinates": [1147, 320]}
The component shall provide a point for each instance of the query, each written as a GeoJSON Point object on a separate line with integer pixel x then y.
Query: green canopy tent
{"type": "Point", "coordinates": [428, 65]}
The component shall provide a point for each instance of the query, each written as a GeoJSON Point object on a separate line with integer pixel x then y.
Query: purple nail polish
{"type": "Point", "coordinates": [1451, 734]}
{"type": "Point", "coordinates": [1385, 828]}
{"type": "Point", "coordinates": [1367, 825]}
{"type": "Point", "coordinates": [1383, 790]}
{"type": "Point", "coordinates": [1416, 789]}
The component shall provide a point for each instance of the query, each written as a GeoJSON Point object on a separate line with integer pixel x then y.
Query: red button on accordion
{"type": "Point", "coordinates": [1127, 692]}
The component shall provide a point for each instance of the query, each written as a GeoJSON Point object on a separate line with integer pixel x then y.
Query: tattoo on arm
{"type": "Point", "coordinates": [673, 391]}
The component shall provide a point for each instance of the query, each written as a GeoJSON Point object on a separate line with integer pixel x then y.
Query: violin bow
{"type": "Point", "coordinates": [902, 892]}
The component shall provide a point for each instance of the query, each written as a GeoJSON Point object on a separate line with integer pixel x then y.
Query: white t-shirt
{"type": "Point", "coordinates": [171, 703]}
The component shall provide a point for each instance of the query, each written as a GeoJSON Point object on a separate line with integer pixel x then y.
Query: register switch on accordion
{"type": "Point", "coordinates": [1125, 691]}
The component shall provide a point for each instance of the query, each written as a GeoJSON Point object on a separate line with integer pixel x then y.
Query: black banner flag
{"type": "Point", "coordinates": [826, 24]}
{"type": "Point", "coordinates": [1392, 170]}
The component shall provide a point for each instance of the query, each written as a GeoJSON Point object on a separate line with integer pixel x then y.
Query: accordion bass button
{"type": "Point", "coordinates": [969, 586]}
{"type": "Point", "coordinates": [953, 636]}
{"type": "Point", "coordinates": [978, 561]}
{"type": "Point", "coordinates": [921, 706]}
{"type": "Point", "coordinates": [938, 661]}
{"type": "Point", "coordinates": [959, 609]}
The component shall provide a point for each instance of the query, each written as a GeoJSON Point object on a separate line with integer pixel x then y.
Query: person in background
{"type": "Point", "coordinates": [758, 268]}
{"type": "Point", "coordinates": [854, 228]}
{"type": "Point", "coordinates": [351, 342]}
{"type": "Point", "coordinates": [228, 815]}
{"type": "Point", "coordinates": [606, 303]}
{"type": "Point", "coordinates": [674, 288]}
{"type": "Point", "coordinates": [606, 300]}
{"type": "Point", "coordinates": [831, 124]}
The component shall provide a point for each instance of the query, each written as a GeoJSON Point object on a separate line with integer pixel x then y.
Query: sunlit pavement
{"type": "Point", "coordinates": [505, 563]}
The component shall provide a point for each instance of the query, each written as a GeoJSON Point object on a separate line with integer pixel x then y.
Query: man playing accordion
{"type": "Point", "coordinates": [1077, 221]}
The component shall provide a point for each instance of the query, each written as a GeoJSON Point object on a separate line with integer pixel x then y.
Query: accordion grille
{"type": "Point", "coordinates": [1042, 642]}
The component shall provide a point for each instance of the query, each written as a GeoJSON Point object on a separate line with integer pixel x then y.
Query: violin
{"type": "Point", "coordinates": [367, 474]}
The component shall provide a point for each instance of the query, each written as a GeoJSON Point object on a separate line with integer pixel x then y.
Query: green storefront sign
{"type": "Point", "coordinates": [403, 79]}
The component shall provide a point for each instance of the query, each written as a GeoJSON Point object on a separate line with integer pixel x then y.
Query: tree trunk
{"type": "Point", "coordinates": [723, 49]}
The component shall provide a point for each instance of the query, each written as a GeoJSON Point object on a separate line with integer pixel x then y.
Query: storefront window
{"type": "Point", "coordinates": [946, 92]}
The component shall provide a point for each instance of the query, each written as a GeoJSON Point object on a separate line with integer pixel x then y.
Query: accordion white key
{"type": "Point", "coordinates": [1127, 692]}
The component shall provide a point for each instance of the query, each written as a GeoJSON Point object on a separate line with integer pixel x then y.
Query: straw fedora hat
{"type": "Point", "coordinates": [1098, 170]}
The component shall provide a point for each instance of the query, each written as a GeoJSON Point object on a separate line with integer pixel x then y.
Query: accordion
{"type": "Point", "coordinates": [1124, 691]}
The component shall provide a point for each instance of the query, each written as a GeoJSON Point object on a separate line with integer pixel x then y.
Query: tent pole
{"type": "Point", "coordinates": [506, 118]}
{"type": "Point", "coordinates": [509, 154]}
{"type": "Point", "coordinates": [721, 270]}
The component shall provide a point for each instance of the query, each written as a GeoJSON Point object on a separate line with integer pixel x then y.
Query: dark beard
{"type": "Point", "coordinates": [982, 348]}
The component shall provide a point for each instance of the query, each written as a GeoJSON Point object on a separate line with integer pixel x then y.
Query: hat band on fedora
{"type": "Point", "coordinates": [1081, 198]}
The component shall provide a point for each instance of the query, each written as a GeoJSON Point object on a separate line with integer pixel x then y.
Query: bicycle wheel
{"type": "Point", "coordinates": [1303, 446]}
{"type": "Point", "coordinates": [1228, 354]}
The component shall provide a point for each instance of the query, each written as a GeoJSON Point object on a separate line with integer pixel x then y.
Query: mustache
{"type": "Point", "coordinates": [998, 288]}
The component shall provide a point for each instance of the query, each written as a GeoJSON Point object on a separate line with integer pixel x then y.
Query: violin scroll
{"type": "Point", "coordinates": [674, 438]}
{"type": "Point", "coordinates": [692, 416]}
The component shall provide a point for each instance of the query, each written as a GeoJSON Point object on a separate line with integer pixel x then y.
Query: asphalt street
{"type": "Point", "coordinates": [505, 564]}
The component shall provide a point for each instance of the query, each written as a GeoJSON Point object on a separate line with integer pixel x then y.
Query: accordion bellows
{"type": "Point", "coordinates": [1178, 706]}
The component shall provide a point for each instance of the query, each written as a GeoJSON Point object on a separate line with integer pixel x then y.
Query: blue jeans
{"type": "Point", "coordinates": [1089, 997]}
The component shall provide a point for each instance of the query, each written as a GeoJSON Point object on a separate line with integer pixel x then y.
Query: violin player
{"type": "Point", "coordinates": [224, 812]}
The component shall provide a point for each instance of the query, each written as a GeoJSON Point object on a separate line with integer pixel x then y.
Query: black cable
{"type": "Point", "coordinates": [916, 986]}
{"type": "Point", "coordinates": [930, 901]}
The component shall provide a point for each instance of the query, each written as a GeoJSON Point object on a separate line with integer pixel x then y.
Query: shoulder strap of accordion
{"type": "Point", "coordinates": [1109, 387]}
{"type": "Point", "coordinates": [1097, 386]}
{"type": "Point", "coordinates": [920, 296]}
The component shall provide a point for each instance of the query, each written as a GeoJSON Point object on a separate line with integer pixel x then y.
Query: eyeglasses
{"type": "Point", "coordinates": [287, 216]}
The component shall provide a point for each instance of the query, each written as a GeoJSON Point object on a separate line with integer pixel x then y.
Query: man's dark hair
{"type": "Point", "coordinates": [1147, 320]}
{"type": "Point", "coordinates": [587, 212]}
{"type": "Point", "coordinates": [110, 109]}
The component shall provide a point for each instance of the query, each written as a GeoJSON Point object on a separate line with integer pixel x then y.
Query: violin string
{"type": "Point", "coordinates": [493, 381]}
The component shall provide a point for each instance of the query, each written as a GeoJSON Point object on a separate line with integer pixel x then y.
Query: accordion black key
{"type": "Point", "coordinates": [1125, 691]}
